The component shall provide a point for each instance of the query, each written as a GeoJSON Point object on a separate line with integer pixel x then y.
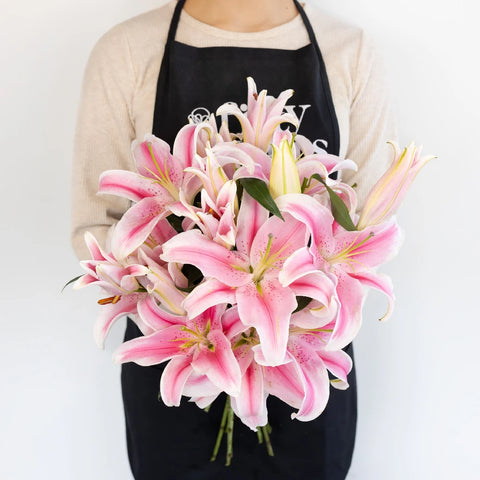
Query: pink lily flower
{"type": "Point", "coordinates": [264, 115]}
{"type": "Point", "coordinates": [156, 185]}
{"type": "Point", "coordinates": [119, 280]}
{"type": "Point", "coordinates": [196, 345]}
{"type": "Point", "coordinates": [248, 277]}
{"type": "Point", "coordinates": [193, 139]}
{"type": "Point", "coordinates": [387, 194]}
{"type": "Point", "coordinates": [349, 256]}
{"type": "Point", "coordinates": [215, 218]}
{"type": "Point", "coordinates": [128, 283]}
{"type": "Point", "coordinates": [302, 381]}
{"type": "Point", "coordinates": [197, 386]}
{"type": "Point", "coordinates": [210, 172]}
{"type": "Point", "coordinates": [225, 162]}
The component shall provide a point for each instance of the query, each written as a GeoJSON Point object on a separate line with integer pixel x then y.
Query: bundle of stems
{"type": "Point", "coordinates": [226, 424]}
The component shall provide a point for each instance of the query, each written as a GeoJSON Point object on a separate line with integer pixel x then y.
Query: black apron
{"type": "Point", "coordinates": [176, 443]}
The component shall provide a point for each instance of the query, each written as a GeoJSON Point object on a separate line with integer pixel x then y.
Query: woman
{"type": "Point", "coordinates": [181, 61]}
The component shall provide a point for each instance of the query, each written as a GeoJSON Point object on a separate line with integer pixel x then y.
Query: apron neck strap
{"type": "Point", "coordinates": [178, 10]}
{"type": "Point", "coordinates": [307, 23]}
{"type": "Point", "coordinates": [174, 23]}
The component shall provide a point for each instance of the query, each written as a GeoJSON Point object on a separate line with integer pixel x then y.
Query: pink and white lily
{"type": "Point", "coordinates": [264, 115]}
{"type": "Point", "coordinates": [193, 346]}
{"type": "Point", "coordinates": [301, 381]}
{"type": "Point", "coordinates": [215, 218]}
{"type": "Point", "coordinates": [248, 277]}
{"type": "Point", "coordinates": [119, 280]}
{"type": "Point", "coordinates": [349, 256]}
{"type": "Point", "coordinates": [387, 194]}
{"type": "Point", "coordinates": [156, 185]}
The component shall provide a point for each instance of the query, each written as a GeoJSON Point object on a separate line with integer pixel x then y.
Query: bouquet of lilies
{"type": "Point", "coordinates": [243, 261]}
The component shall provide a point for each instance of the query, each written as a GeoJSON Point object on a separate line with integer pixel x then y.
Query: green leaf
{"type": "Point", "coordinates": [339, 209]}
{"type": "Point", "coordinates": [71, 281]}
{"type": "Point", "coordinates": [258, 190]}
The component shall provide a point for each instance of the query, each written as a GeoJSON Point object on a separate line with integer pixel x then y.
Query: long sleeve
{"type": "Point", "coordinates": [371, 122]}
{"type": "Point", "coordinates": [103, 137]}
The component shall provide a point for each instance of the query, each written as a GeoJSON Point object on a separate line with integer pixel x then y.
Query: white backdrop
{"type": "Point", "coordinates": [418, 395]}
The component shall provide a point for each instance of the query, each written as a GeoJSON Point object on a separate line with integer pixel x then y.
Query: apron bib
{"type": "Point", "coordinates": [176, 442]}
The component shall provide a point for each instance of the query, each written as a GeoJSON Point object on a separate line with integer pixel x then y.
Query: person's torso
{"type": "Point", "coordinates": [147, 33]}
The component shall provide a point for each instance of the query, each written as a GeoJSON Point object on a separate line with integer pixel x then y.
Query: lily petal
{"type": "Point", "coordinates": [110, 313]}
{"type": "Point", "coordinates": [315, 216]}
{"type": "Point", "coordinates": [358, 251]}
{"type": "Point", "coordinates": [232, 325]}
{"type": "Point", "coordinates": [198, 385]}
{"type": "Point", "coordinates": [285, 383]}
{"type": "Point", "coordinates": [380, 282]}
{"type": "Point", "coordinates": [128, 185]}
{"type": "Point", "coordinates": [184, 146]}
{"type": "Point", "coordinates": [280, 238]}
{"type": "Point", "coordinates": [316, 285]}
{"type": "Point", "coordinates": [316, 384]}
{"type": "Point", "coordinates": [136, 225]}
{"type": "Point", "coordinates": [173, 380]}
{"type": "Point", "coordinates": [156, 317]}
{"type": "Point", "coordinates": [154, 160]}
{"type": "Point", "coordinates": [153, 349]}
{"type": "Point", "coordinates": [349, 318]}
{"type": "Point", "coordinates": [339, 363]}
{"type": "Point", "coordinates": [209, 293]}
{"type": "Point", "coordinates": [297, 265]}
{"type": "Point", "coordinates": [251, 216]}
{"type": "Point", "coordinates": [211, 258]}
{"type": "Point", "coordinates": [95, 250]}
{"type": "Point", "coordinates": [268, 308]}
{"type": "Point", "coordinates": [219, 364]}
{"type": "Point", "coordinates": [251, 405]}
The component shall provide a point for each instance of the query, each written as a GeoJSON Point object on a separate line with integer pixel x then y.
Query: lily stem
{"type": "Point", "coordinates": [231, 417]}
{"type": "Point", "coordinates": [268, 443]}
{"type": "Point", "coordinates": [221, 430]}
{"type": "Point", "coordinates": [259, 435]}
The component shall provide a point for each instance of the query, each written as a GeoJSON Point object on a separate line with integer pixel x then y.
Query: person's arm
{"type": "Point", "coordinates": [371, 122]}
{"type": "Point", "coordinates": [103, 137]}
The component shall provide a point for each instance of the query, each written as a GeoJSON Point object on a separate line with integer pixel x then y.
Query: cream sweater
{"type": "Point", "coordinates": [119, 88]}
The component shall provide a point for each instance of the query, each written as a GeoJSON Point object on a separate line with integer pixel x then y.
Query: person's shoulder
{"type": "Point", "coordinates": [143, 32]}
{"type": "Point", "coordinates": [343, 44]}
{"type": "Point", "coordinates": [335, 32]}
{"type": "Point", "coordinates": [153, 24]}
{"type": "Point", "coordinates": [329, 23]}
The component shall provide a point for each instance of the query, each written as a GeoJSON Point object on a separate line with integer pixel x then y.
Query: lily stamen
{"type": "Point", "coordinates": [109, 300]}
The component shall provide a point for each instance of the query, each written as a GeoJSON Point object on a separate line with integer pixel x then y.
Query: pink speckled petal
{"type": "Point", "coordinates": [155, 348]}
{"type": "Point", "coordinates": [136, 225]}
{"type": "Point", "coordinates": [211, 258]}
{"type": "Point", "coordinates": [210, 292]}
{"type": "Point", "coordinates": [128, 185]}
{"type": "Point", "coordinates": [155, 316]}
{"type": "Point", "coordinates": [219, 364]}
{"type": "Point", "coordinates": [250, 405]}
{"type": "Point", "coordinates": [173, 380]}
{"type": "Point", "coordinates": [268, 308]}
{"type": "Point", "coordinates": [316, 385]}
